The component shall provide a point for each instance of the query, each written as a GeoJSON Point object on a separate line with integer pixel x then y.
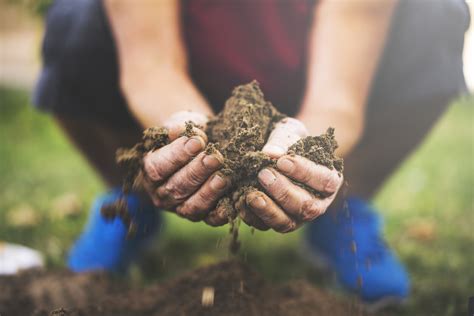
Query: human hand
{"type": "Point", "coordinates": [180, 176]}
{"type": "Point", "coordinates": [285, 206]}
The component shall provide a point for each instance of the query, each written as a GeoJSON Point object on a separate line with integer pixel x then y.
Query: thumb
{"type": "Point", "coordinates": [286, 132]}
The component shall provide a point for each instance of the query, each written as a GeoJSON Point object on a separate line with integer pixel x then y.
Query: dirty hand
{"type": "Point", "coordinates": [180, 176]}
{"type": "Point", "coordinates": [285, 206]}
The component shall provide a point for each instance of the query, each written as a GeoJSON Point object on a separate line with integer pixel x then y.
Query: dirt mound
{"type": "Point", "coordinates": [36, 292]}
{"type": "Point", "coordinates": [227, 288]}
{"type": "Point", "coordinates": [239, 133]}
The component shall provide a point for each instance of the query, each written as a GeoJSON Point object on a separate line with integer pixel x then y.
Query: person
{"type": "Point", "coordinates": [380, 72]}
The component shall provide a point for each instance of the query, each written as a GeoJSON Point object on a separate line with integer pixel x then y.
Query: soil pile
{"type": "Point", "coordinates": [37, 292]}
{"type": "Point", "coordinates": [239, 133]}
{"type": "Point", "coordinates": [229, 288]}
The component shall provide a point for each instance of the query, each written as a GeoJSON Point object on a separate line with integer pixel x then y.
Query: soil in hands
{"type": "Point", "coordinates": [235, 289]}
{"type": "Point", "coordinates": [239, 133]}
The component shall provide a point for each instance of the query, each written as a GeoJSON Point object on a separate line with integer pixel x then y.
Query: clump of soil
{"type": "Point", "coordinates": [233, 287]}
{"type": "Point", "coordinates": [239, 133]}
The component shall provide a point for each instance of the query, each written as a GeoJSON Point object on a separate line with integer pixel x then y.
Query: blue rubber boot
{"type": "Point", "coordinates": [350, 243]}
{"type": "Point", "coordinates": [103, 245]}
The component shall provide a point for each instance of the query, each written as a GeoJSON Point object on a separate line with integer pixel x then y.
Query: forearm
{"type": "Point", "coordinates": [157, 95]}
{"type": "Point", "coordinates": [346, 43]}
{"type": "Point", "coordinates": [152, 60]}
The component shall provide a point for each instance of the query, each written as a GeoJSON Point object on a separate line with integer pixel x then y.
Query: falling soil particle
{"type": "Point", "coordinates": [236, 290]}
{"type": "Point", "coordinates": [239, 133]}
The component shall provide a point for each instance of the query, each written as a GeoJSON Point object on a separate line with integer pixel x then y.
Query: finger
{"type": "Point", "coordinates": [316, 176]}
{"type": "Point", "coordinates": [315, 207]}
{"type": "Point", "coordinates": [205, 199]}
{"type": "Point", "coordinates": [190, 178]}
{"type": "Point", "coordinates": [176, 123]}
{"type": "Point", "coordinates": [247, 216]}
{"type": "Point", "coordinates": [150, 188]}
{"type": "Point", "coordinates": [167, 160]}
{"type": "Point", "coordinates": [269, 212]}
{"type": "Point", "coordinates": [286, 132]}
{"type": "Point", "coordinates": [290, 197]}
{"type": "Point", "coordinates": [219, 216]}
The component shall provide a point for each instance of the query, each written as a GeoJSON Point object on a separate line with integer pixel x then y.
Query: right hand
{"type": "Point", "coordinates": [180, 176]}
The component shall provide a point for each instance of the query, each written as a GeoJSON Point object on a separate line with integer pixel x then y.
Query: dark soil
{"type": "Point", "coordinates": [239, 133]}
{"type": "Point", "coordinates": [238, 290]}
{"type": "Point", "coordinates": [37, 292]}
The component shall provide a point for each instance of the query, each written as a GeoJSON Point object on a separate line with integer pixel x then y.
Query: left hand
{"type": "Point", "coordinates": [284, 206]}
{"type": "Point", "coordinates": [181, 177]}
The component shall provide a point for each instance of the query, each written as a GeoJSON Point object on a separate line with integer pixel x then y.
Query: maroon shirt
{"type": "Point", "coordinates": [234, 42]}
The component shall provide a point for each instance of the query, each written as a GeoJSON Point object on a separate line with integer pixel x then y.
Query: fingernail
{"type": "Point", "coordinates": [217, 183]}
{"type": "Point", "coordinates": [267, 177]}
{"type": "Point", "coordinates": [210, 161]}
{"type": "Point", "coordinates": [285, 164]}
{"type": "Point", "coordinates": [194, 145]}
{"type": "Point", "coordinates": [274, 150]}
{"type": "Point", "coordinates": [257, 202]}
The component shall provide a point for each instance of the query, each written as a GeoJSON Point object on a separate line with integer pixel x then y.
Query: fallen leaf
{"type": "Point", "coordinates": [23, 216]}
{"type": "Point", "coordinates": [422, 230]}
{"type": "Point", "coordinates": [66, 206]}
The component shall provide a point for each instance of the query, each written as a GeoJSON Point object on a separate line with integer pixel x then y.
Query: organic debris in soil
{"type": "Point", "coordinates": [235, 289]}
{"type": "Point", "coordinates": [239, 133]}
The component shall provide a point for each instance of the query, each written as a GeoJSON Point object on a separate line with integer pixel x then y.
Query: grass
{"type": "Point", "coordinates": [428, 206]}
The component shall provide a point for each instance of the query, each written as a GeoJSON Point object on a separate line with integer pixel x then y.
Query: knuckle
{"type": "Point", "coordinates": [219, 219]}
{"type": "Point", "coordinates": [172, 160]}
{"type": "Point", "coordinates": [155, 200]}
{"type": "Point", "coordinates": [214, 221]}
{"type": "Point", "coordinates": [185, 211]}
{"type": "Point", "coordinates": [292, 227]}
{"type": "Point", "coordinates": [310, 210]}
{"type": "Point", "coordinates": [167, 205]}
{"type": "Point", "coordinates": [269, 218]}
{"type": "Point", "coordinates": [182, 210]}
{"type": "Point", "coordinates": [206, 196]}
{"type": "Point", "coordinates": [332, 182]}
{"type": "Point", "coordinates": [286, 226]}
{"type": "Point", "coordinates": [253, 220]}
{"type": "Point", "coordinates": [305, 172]}
{"type": "Point", "coordinates": [163, 166]}
{"type": "Point", "coordinates": [282, 195]}
{"type": "Point", "coordinates": [216, 218]}
{"type": "Point", "coordinates": [160, 172]}
{"type": "Point", "coordinates": [195, 175]}
{"type": "Point", "coordinates": [202, 204]}
{"type": "Point", "coordinates": [151, 169]}
{"type": "Point", "coordinates": [174, 191]}
{"type": "Point", "coordinates": [175, 154]}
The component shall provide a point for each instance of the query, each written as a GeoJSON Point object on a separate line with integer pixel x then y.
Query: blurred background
{"type": "Point", "coordinates": [46, 188]}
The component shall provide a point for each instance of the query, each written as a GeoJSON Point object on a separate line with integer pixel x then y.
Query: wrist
{"type": "Point", "coordinates": [347, 120]}
{"type": "Point", "coordinates": [154, 97]}
{"type": "Point", "coordinates": [147, 76]}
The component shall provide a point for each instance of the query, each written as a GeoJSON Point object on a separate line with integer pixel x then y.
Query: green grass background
{"type": "Point", "coordinates": [432, 190]}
